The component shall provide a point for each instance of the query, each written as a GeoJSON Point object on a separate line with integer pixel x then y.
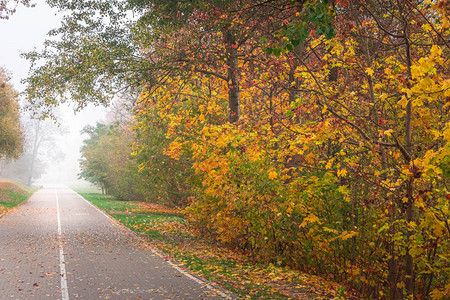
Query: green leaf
{"type": "Point", "coordinates": [290, 114]}
{"type": "Point", "coordinates": [276, 52]}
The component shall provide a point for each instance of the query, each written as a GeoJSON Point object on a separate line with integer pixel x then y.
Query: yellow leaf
{"type": "Point", "coordinates": [309, 158]}
{"type": "Point", "coordinates": [330, 230]}
{"type": "Point", "coordinates": [403, 101]}
{"type": "Point", "coordinates": [369, 71]}
{"type": "Point", "coordinates": [347, 234]}
{"type": "Point", "coordinates": [388, 132]}
{"type": "Point", "coordinates": [273, 175]}
{"type": "Point", "coordinates": [437, 294]}
{"type": "Point", "coordinates": [329, 164]}
{"type": "Point", "coordinates": [309, 220]}
{"type": "Point", "coordinates": [342, 172]}
{"type": "Point", "coordinates": [427, 27]}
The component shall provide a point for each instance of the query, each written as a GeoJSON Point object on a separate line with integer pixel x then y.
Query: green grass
{"type": "Point", "coordinates": [167, 227]}
{"type": "Point", "coordinates": [140, 224]}
{"type": "Point", "coordinates": [11, 195]}
{"type": "Point", "coordinates": [109, 203]}
{"type": "Point", "coordinates": [14, 198]}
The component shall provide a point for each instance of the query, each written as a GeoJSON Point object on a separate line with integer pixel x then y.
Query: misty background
{"type": "Point", "coordinates": [22, 32]}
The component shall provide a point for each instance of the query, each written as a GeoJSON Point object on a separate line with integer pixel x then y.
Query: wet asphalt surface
{"type": "Point", "coordinates": [93, 256]}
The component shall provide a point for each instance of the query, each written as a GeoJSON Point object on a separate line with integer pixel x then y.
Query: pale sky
{"type": "Point", "coordinates": [24, 31]}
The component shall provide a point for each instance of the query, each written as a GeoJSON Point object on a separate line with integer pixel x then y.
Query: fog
{"type": "Point", "coordinates": [24, 31]}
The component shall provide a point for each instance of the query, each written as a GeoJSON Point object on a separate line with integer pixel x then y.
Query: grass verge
{"type": "Point", "coordinates": [11, 195]}
{"type": "Point", "coordinates": [169, 232]}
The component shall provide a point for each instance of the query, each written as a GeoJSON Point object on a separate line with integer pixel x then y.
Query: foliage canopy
{"type": "Point", "coordinates": [11, 136]}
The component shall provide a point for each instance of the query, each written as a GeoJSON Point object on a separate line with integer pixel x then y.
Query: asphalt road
{"type": "Point", "coordinates": [58, 246]}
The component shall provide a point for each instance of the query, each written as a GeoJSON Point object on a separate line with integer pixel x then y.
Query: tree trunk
{"type": "Point", "coordinates": [409, 264]}
{"type": "Point", "coordinates": [36, 143]}
{"type": "Point", "coordinates": [234, 94]}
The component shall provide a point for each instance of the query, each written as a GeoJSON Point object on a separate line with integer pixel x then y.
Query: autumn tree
{"type": "Point", "coordinates": [11, 138]}
{"type": "Point", "coordinates": [94, 59]}
{"type": "Point", "coordinates": [93, 163]}
{"type": "Point", "coordinates": [104, 51]}
{"type": "Point", "coordinates": [106, 161]}
{"type": "Point", "coordinates": [351, 165]}
{"type": "Point", "coordinates": [395, 49]}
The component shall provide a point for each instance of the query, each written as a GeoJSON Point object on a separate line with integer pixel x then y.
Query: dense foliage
{"type": "Point", "coordinates": [321, 146]}
{"type": "Point", "coordinates": [11, 137]}
{"type": "Point", "coordinates": [106, 162]}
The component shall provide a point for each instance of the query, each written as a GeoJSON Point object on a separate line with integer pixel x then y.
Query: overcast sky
{"type": "Point", "coordinates": [24, 31]}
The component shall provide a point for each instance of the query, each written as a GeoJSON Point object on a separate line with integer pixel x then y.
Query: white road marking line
{"type": "Point", "coordinates": [62, 262]}
{"type": "Point", "coordinates": [98, 209]}
{"type": "Point", "coordinates": [198, 280]}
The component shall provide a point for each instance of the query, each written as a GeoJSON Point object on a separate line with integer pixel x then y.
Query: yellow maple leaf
{"type": "Point", "coordinates": [436, 50]}
{"type": "Point", "coordinates": [369, 71]}
{"type": "Point", "coordinates": [273, 175]}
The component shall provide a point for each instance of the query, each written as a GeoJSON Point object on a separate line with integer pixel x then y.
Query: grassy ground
{"type": "Point", "coordinates": [11, 195]}
{"type": "Point", "coordinates": [169, 232]}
